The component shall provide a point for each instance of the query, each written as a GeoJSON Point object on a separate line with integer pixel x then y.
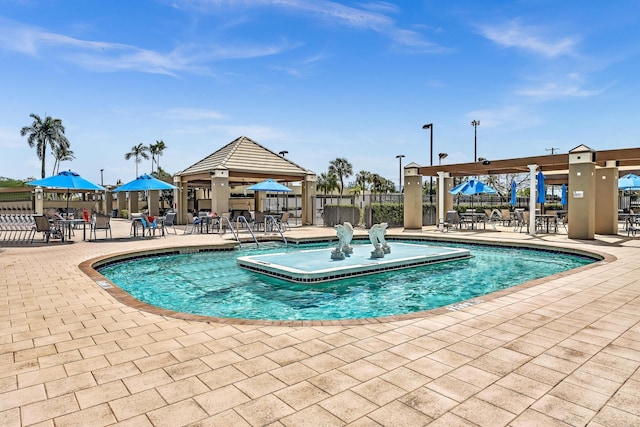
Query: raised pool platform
{"type": "Point", "coordinates": [316, 265]}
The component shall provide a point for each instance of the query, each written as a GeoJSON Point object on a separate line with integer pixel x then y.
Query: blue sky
{"type": "Point", "coordinates": [319, 79]}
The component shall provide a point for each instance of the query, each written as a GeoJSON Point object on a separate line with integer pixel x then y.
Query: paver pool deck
{"type": "Point", "coordinates": [559, 351]}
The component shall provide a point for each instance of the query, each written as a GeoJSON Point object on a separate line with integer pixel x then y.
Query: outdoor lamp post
{"type": "Point", "coordinates": [440, 157]}
{"type": "Point", "coordinates": [475, 125]}
{"type": "Point", "coordinates": [430, 127]}
{"type": "Point", "coordinates": [399, 157]}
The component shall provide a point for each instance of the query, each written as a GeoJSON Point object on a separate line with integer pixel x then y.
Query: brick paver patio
{"type": "Point", "coordinates": [560, 351]}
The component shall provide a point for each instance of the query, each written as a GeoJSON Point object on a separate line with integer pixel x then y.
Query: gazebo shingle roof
{"type": "Point", "coordinates": [244, 157]}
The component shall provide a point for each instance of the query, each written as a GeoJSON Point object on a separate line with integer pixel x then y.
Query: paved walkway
{"type": "Point", "coordinates": [559, 351]}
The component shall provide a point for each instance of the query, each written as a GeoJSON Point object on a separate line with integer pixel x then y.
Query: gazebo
{"type": "Point", "coordinates": [240, 163]}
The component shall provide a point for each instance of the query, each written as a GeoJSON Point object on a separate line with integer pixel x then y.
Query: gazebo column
{"type": "Point", "coordinates": [122, 201]}
{"type": "Point", "coordinates": [132, 205]}
{"type": "Point", "coordinates": [220, 191]}
{"type": "Point", "coordinates": [445, 199]}
{"type": "Point", "coordinates": [532, 198]}
{"type": "Point", "coordinates": [108, 201]}
{"type": "Point", "coordinates": [180, 199]}
{"type": "Point", "coordinates": [412, 197]}
{"type": "Point", "coordinates": [153, 202]}
{"type": "Point", "coordinates": [582, 197]}
{"type": "Point", "coordinates": [308, 199]}
{"type": "Point", "coordinates": [606, 216]}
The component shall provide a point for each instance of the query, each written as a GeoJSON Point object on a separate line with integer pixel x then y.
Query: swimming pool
{"type": "Point", "coordinates": [209, 283]}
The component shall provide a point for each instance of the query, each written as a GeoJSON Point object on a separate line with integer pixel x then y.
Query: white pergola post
{"type": "Point", "coordinates": [532, 198]}
{"type": "Point", "coordinates": [441, 190]}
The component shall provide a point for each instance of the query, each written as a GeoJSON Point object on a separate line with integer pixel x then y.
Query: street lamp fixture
{"type": "Point", "coordinates": [475, 125]}
{"type": "Point", "coordinates": [430, 127]}
{"type": "Point", "coordinates": [283, 152]}
{"type": "Point", "coordinates": [399, 157]}
{"type": "Point", "coordinates": [440, 157]}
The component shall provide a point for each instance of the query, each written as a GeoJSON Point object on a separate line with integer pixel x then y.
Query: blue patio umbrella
{"type": "Point", "coordinates": [540, 189]}
{"type": "Point", "coordinates": [629, 182]}
{"type": "Point", "coordinates": [563, 199]}
{"type": "Point", "coordinates": [472, 187]}
{"type": "Point", "coordinates": [145, 183]}
{"type": "Point", "coordinates": [514, 189]}
{"type": "Point", "coordinates": [67, 180]}
{"type": "Point", "coordinates": [270, 185]}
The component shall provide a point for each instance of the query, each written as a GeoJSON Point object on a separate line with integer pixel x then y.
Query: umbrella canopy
{"type": "Point", "coordinates": [540, 190]}
{"type": "Point", "coordinates": [563, 199]}
{"type": "Point", "coordinates": [145, 183]}
{"type": "Point", "coordinates": [514, 190]}
{"type": "Point", "coordinates": [68, 180]}
{"type": "Point", "coordinates": [270, 185]}
{"type": "Point", "coordinates": [472, 187]}
{"type": "Point", "coordinates": [629, 182]}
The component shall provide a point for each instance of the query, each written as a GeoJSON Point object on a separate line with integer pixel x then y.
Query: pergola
{"type": "Point", "coordinates": [590, 175]}
{"type": "Point", "coordinates": [239, 163]}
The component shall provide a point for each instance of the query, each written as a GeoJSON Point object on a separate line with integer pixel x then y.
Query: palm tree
{"type": "Point", "coordinates": [156, 151]}
{"type": "Point", "coordinates": [61, 154]}
{"type": "Point", "coordinates": [327, 182]}
{"type": "Point", "coordinates": [341, 168]}
{"type": "Point", "coordinates": [139, 152]}
{"type": "Point", "coordinates": [45, 133]}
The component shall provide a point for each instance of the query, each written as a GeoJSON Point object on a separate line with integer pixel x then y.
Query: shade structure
{"type": "Point", "coordinates": [540, 188]}
{"type": "Point", "coordinates": [472, 187]}
{"type": "Point", "coordinates": [629, 182]}
{"type": "Point", "coordinates": [145, 183]}
{"type": "Point", "coordinates": [270, 185]}
{"type": "Point", "coordinates": [563, 198]}
{"type": "Point", "coordinates": [67, 180]}
{"type": "Point", "coordinates": [514, 190]}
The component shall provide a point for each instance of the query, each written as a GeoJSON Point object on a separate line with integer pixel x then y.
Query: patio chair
{"type": "Point", "coordinates": [101, 222]}
{"type": "Point", "coordinates": [151, 225]}
{"type": "Point", "coordinates": [48, 229]}
{"type": "Point", "coordinates": [521, 221]}
{"type": "Point", "coordinates": [191, 224]}
{"type": "Point", "coordinates": [170, 222]}
{"type": "Point", "coordinates": [507, 217]}
{"type": "Point", "coordinates": [283, 222]}
{"type": "Point", "coordinates": [452, 220]}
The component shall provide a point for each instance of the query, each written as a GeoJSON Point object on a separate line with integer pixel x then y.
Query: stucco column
{"type": "Point", "coordinates": [606, 216]}
{"type": "Point", "coordinates": [532, 198]}
{"type": "Point", "coordinates": [133, 203]}
{"type": "Point", "coordinates": [108, 201]}
{"type": "Point", "coordinates": [153, 202]}
{"type": "Point", "coordinates": [220, 191]}
{"type": "Point", "coordinates": [39, 198]}
{"type": "Point", "coordinates": [582, 197]}
{"type": "Point", "coordinates": [308, 199]}
{"type": "Point", "coordinates": [122, 201]}
{"type": "Point", "coordinates": [180, 195]}
{"type": "Point", "coordinates": [412, 197]}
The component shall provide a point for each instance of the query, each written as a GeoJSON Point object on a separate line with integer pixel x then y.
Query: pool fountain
{"type": "Point", "coordinates": [346, 260]}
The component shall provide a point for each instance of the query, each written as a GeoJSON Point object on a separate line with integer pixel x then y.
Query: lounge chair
{"type": "Point", "coordinates": [507, 217]}
{"type": "Point", "coordinates": [101, 222]}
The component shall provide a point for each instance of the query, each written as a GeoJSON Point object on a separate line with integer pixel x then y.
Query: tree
{"type": "Point", "coordinates": [61, 154]}
{"type": "Point", "coordinates": [156, 151]}
{"type": "Point", "coordinates": [43, 134]}
{"type": "Point", "coordinates": [341, 168]}
{"type": "Point", "coordinates": [139, 152]}
{"type": "Point", "coordinates": [326, 183]}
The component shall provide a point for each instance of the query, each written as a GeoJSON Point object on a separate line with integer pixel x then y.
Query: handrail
{"type": "Point", "coordinates": [275, 223]}
{"type": "Point", "coordinates": [223, 219]}
{"type": "Point", "coordinates": [241, 218]}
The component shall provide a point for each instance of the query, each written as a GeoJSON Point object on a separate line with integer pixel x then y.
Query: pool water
{"type": "Point", "coordinates": [211, 284]}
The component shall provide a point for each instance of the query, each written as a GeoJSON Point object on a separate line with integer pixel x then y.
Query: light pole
{"type": "Point", "coordinates": [101, 177]}
{"type": "Point", "coordinates": [399, 157]}
{"type": "Point", "coordinates": [430, 127]}
{"type": "Point", "coordinates": [440, 157]}
{"type": "Point", "coordinates": [283, 152]}
{"type": "Point", "coordinates": [475, 125]}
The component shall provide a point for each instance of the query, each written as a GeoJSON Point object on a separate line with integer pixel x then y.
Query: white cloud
{"type": "Point", "coordinates": [531, 38]}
